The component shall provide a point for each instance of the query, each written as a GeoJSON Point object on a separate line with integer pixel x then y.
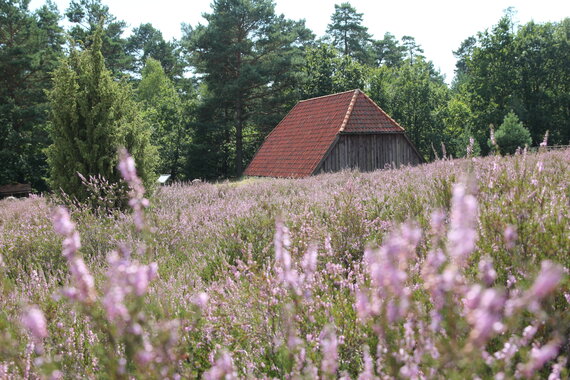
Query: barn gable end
{"type": "Point", "coordinates": [330, 133]}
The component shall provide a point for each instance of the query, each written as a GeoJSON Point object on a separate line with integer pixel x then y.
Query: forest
{"type": "Point", "coordinates": [199, 107]}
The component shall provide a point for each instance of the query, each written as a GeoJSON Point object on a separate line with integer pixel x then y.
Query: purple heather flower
{"type": "Point", "coordinates": [62, 223]}
{"type": "Point", "coordinates": [140, 276]}
{"type": "Point", "coordinates": [539, 356]}
{"type": "Point", "coordinates": [34, 321]}
{"type": "Point", "coordinates": [368, 372]}
{"type": "Point", "coordinates": [283, 261]}
{"type": "Point", "coordinates": [510, 236]}
{"type": "Point", "coordinates": [547, 281]}
{"type": "Point", "coordinates": [222, 369]}
{"type": "Point", "coordinates": [309, 263]}
{"type": "Point", "coordinates": [138, 202]}
{"type": "Point", "coordinates": [484, 313]}
{"type": "Point", "coordinates": [486, 271]}
{"type": "Point", "coordinates": [127, 166]}
{"type": "Point", "coordinates": [329, 349]}
{"type": "Point", "coordinates": [557, 369]}
{"type": "Point", "coordinates": [201, 300]}
{"type": "Point", "coordinates": [71, 244]}
{"type": "Point", "coordinates": [83, 282]}
{"type": "Point", "coordinates": [462, 234]}
{"type": "Point", "coordinates": [113, 304]}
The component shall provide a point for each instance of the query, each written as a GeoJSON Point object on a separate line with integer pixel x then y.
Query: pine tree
{"type": "Point", "coordinates": [348, 34]}
{"type": "Point", "coordinates": [30, 48]}
{"type": "Point", "coordinates": [251, 60]}
{"type": "Point", "coordinates": [85, 17]}
{"type": "Point", "coordinates": [92, 116]}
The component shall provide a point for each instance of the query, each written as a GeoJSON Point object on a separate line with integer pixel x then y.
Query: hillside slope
{"type": "Point", "coordinates": [452, 269]}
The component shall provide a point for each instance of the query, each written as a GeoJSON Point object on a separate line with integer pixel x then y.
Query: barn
{"type": "Point", "coordinates": [331, 133]}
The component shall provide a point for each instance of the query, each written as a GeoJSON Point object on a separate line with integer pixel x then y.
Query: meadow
{"type": "Point", "coordinates": [454, 269]}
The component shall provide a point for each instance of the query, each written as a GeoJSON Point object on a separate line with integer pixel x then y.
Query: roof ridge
{"type": "Point", "coordinates": [349, 110]}
{"type": "Point", "coordinates": [326, 96]}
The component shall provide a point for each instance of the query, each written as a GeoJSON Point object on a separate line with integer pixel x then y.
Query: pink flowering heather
{"type": "Point", "coordinates": [329, 349]}
{"type": "Point", "coordinates": [125, 278]}
{"type": "Point", "coordinates": [539, 356]}
{"type": "Point", "coordinates": [255, 299]}
{"type": "Point", "coordinates": [510, 235]}
{"type": "Point", "coordinates": [137, 200]}
{"type": "Point", "coordinates": [283, 262]}
{"type": "Point", "coordinates": [462, 234]}
{"type": "Point", "coordinates": [484, 313]}
{"type": "Point", "coordinates": [222, 369]}
{"type": "Point", "coordinates": [83, 284]}
{"type": "Point", "coordinates": [487, 273]}
{"type": "Point", "coordinates": [34, 321]}
{"type": "Point", "coordinates": [546, 282]}
{"type": "Point", "coordinates": [387, 268]}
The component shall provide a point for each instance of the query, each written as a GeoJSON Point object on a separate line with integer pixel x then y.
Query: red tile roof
{"type": "Point", "coordinates": [299, 142]}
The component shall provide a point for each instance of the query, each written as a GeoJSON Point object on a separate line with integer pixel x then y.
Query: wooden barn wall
{"type": "Point", "coordinates": [369, 152]}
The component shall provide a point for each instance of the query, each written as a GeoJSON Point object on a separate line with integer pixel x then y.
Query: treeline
{"type": "Point", "coordinates": [203, 104]}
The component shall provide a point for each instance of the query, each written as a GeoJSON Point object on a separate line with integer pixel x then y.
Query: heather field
{"type": "Point", "coordinates": [454, 269]}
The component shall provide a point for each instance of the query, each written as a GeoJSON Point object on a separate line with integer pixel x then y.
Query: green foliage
{"type": "Point", "coordinates": [512, 134]}
{"type": "Point", "coordinates": [147, 42]}
{"type": "Point", "coordinates": [30, 46]}
{"type": "Point", "coordinates": [388, 51]}
{"type": "Point", "coordinates": [520, 68]}
{"type": "Point", "coordinates": [165, 112]}
{"type": "Point", "coordinates": [86, 16]}
{"type": "Point", "coordinates": [250, 59]}
{"type": "Point", "coordinates": [91, 117]}
{"type": "Point", "coordinates": [348, 34]}
{"type": "Point", "coordinates": [416, 97]}
{"type": "Point", "coordinates": [327, 72]}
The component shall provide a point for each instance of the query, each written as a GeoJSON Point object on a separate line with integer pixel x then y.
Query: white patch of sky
{"type": "Point", "coordinates": [439, 26]}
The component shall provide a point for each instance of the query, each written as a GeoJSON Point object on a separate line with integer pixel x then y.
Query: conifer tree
{"type": "Point", "coordinates": [348, 34]}
{"type": "Point", "coordinates": [30, 48]}
{"type": "Point", "coordinates": [250, 60]}
{"type": "Point", "coordinates": [92, 116]}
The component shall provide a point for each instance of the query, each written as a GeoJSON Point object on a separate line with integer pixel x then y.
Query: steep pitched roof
{"type": "Point", "coordinates": [299, 142]}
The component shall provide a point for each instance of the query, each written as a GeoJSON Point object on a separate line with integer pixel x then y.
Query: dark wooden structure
{"type": "Point", "coordinates": [331, 133]}
{"type": "Point", "coordinates": [15, 190]}
{"type": "Point", "coordinates": [368, 152]}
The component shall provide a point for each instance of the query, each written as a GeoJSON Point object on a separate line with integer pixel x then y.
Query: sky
{"type": "Point", "coordinates": [439, 26]}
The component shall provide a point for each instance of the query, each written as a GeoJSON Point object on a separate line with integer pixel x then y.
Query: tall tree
{"type": "Point", "coordinates": [328, 72]}
{"type": "Point", "coordinates": [30, 47]}
{"type": "Point", "coordinates": [388, 51]}
{"type": "Point", "coordinates": [416, 97]}
{"type": "Point", "coordinates": [85, 17]}
{"type": "Point", "coordinates": [522, 69]}
{"type": "Point", "coordinates": [348, 34]}
{"type": "Point", "coordinates": [147, 42]}
{"type": "Point", "coordinates": [92, 116]}
{"type": "Point", "coordinates": [412, 48]}
{"type": "Point", "coordinates": [166, 113]}
{"type": "Point", "coordinates": [250, 60]}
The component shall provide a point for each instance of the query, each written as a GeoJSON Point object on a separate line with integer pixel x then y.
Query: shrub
{"type": "Point", "coordinates": [511, 135]}
{"type": "Point", "coordinates": [92, 116]}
